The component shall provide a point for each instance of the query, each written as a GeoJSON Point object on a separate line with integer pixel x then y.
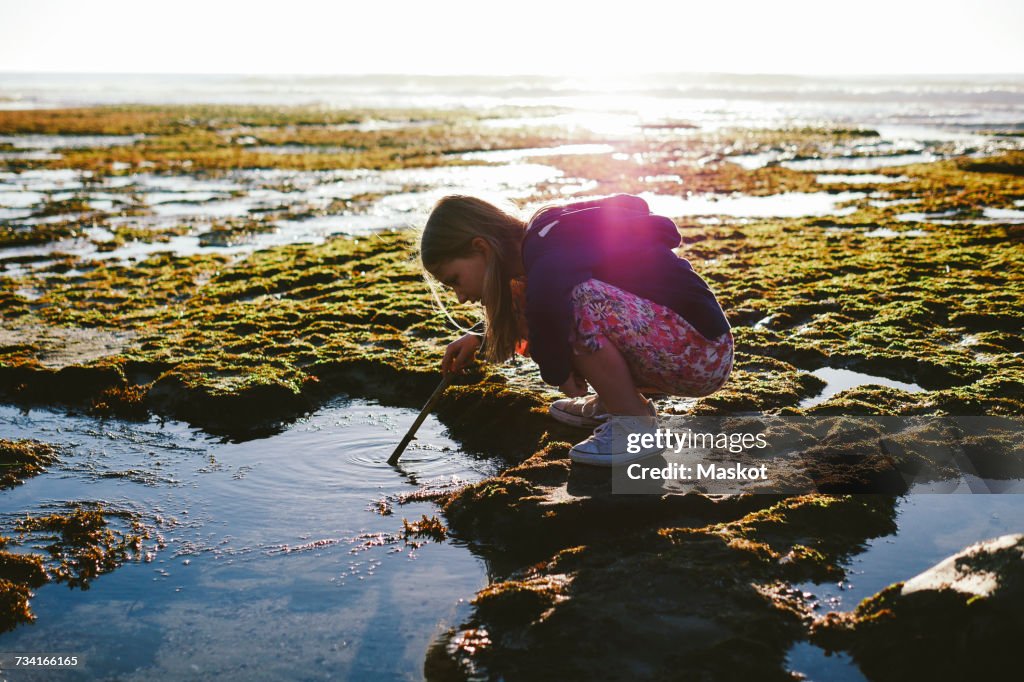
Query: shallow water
{"type": "Point", "coordinates": [49, 142]}
{"type": "Point", "coordinates": [506, 155]}
{"type": "Point", "coordinates": [859, 162]}
{"type": "Point", "coordinates": [789, 205]}
{"type": "Point", "coordinates": [895, 145]}
{"type": "Point", "coordinates": [304, 206]}
{"type": "Point", "coordinates": [398, 199]}
{"type": "Point", "coordinates": [931, 527]}
{"type": "Point", "coordinates": [839, 380]}
{"type": "Point", "coordinates": [989, 215]}
{"type": "Point", "coordinates": [889, 233]}
{"type": "Point", "coordinates": [277, 564]}
{"type": "Point", "coordinates": [860, 179]}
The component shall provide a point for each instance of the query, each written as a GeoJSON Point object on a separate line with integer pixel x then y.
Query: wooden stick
{"type": "Point", "coordinates": [393, 460]}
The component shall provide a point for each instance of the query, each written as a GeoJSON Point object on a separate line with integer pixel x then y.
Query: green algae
{"type": "Point", "coordinates": [760, 383]}
{"type": "Point", "coordinates": [307, 319]}
{"type": "Point", "coordinates": [833, 296]}
{"type": "Point", "coordinates": [265, 338]}
{"type": "Point", "coordinates": [1011, 163]}
{"type": "Point", "coordinates": [240, 347]}
{"type": "Point", "coordinates": [682, 595]}
{"type": "Point", "coordinates": [698, 162]}
{"type": "Point", "coordinates": [193, 138]}
{"type": "Point", "coordinates": [899, 308]}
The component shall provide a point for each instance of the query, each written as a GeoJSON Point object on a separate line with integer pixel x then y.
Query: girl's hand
{"type": "Point", "coordinates": [460, 353]}
{"type": "Point", "coordinates": [575, 386]}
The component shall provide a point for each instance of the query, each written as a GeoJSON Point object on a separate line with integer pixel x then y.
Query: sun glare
{"type": "Point", "coordinates": [533, 37]}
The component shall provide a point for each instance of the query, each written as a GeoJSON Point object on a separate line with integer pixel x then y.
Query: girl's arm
{"type": "Point", "coordinates": [549, 314]}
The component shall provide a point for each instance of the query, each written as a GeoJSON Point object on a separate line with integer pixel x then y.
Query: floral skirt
{"type": "Point", "coordinates": [664, 352]}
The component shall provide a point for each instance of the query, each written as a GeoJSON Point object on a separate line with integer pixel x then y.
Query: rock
{"type": "Point", "coordinates": [961, 619]}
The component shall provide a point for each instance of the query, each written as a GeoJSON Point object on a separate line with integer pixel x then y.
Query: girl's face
{"type": "Point", "coordinates": [464, 275]}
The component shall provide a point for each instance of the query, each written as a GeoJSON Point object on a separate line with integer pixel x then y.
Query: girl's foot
{"type": "Point", "coordinates": [586, 412]}
{"type": "Point", "coordinates": [618, 441]}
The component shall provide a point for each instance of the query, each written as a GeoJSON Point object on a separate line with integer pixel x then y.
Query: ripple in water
{"type": "Point", "coordinates": [280, 556]}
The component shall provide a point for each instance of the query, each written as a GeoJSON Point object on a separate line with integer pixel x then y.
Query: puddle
{"type": "Point", "coordinates": [930, 527]}
{"type": "Point", "coordinates": [598, 122]}
{"type": "Point", "coordinates": [301, 149]}
{"type": "Point", "coordinates": [317, 229]}
{"type": "Point", "coordinates": [181, 197]}
{"type": "Point", "coordinates": [507, 155]}
{"type": "Point", "coordinates": [889, 233]}
{"type": "Point", "coordinates": [924, 217]}
{"type": "Point", "coordinates": [815, 665]}
{"type": "Point", "coordinates": [30, 156]}
{"type": "Point", "coordinates": [277, 559]}
{"type": "Point", "coordinates": [1003, 215]}
{"type": "Point", "coordinates": [753, 161]}
{"type": "Point", "coordinates": [882, 203]}
{"type": "Point", "coordinates": [839, 380]}
{"type": "Point", "coordinates": [989, 215]}
{"type": "Point", "coordinates": [47, 180]}
{"type": "Point", "coordinates": [100, 234]}
{"type": "Point", "coordinates": [210, 209]}
{"type": "Point", "coordinates": [54, 218]}
{"type": "Point", "coordinates": [790, 205]}
{"type": "Point", "coordinates": [181, 183]}
{"type": "Point", "coordinates": [174, 199]}
{"type": "Point", "coordinates": [859, 162]}
{"type": "Point", "coordinates": [374, 124]}
{"type": "Point", "coordinates": [860, 179]}
{"type": "Point", "coordinates": [928, 134]}
{"type": "Point", "coordinates": [14, 213]}
{"type": "Point", "coordinates": [68, 141]}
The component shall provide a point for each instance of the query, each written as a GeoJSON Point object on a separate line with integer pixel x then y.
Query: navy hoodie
{"type": "Point", "coordinates": [616, 240]}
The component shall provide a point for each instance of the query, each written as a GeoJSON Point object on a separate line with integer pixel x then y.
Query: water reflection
{"type": "Point", "coordinates": [277, 562]}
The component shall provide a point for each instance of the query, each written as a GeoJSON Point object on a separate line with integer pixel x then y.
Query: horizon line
{"type": "Point", "coordinates": [567, 74]}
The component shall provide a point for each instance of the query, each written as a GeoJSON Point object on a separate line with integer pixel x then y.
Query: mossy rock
{"type": "Point", "coordinates": [960, 619]}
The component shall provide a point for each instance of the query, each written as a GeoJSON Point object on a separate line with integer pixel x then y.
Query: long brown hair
{"type": "Point", "coordinates": [453, 224]}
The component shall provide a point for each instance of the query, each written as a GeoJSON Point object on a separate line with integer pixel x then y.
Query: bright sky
{"type": "Point", "coordinates": [520, 36]}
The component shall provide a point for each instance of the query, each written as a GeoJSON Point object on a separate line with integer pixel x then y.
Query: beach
{"type": "Point", "coordinates": [215, 329]}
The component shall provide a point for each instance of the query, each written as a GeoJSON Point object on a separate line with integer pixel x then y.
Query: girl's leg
{"type": "Point", "coordinates": [658, 348]}
{"type": "Point", "coordinates": [607, 371]}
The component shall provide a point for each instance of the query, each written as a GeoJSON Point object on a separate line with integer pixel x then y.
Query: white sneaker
{"type": "Point", "coordinates": [619, 440]}
{"type": "Point", "coordinates": [586, 412]}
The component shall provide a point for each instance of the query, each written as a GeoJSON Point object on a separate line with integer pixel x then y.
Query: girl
{"type": "Point", "coordinates": [594, 293]}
